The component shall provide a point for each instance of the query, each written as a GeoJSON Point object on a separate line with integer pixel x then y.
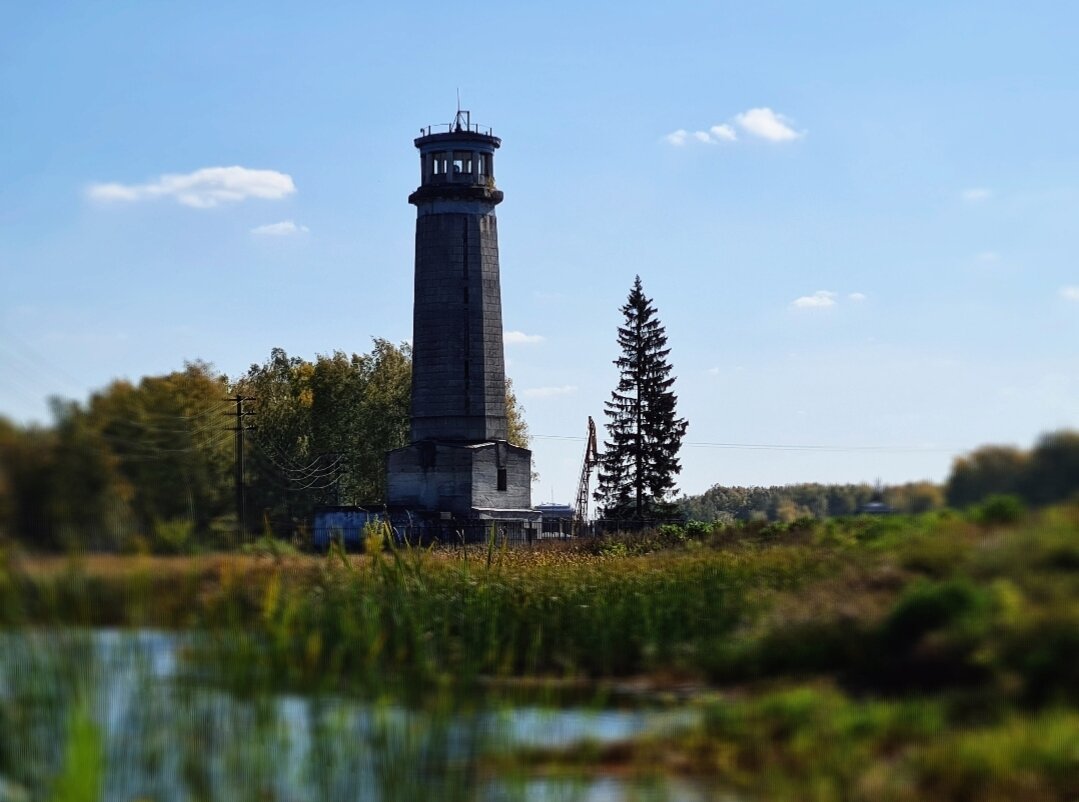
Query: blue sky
{"type": "Point", "coordinates": [857, 221]}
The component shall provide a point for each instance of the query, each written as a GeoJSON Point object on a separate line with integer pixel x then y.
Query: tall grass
{"type": "Point", "coordinates": [900, 633]}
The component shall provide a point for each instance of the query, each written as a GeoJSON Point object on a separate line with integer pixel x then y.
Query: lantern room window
{"type": "Point", "coordinates": [462, 162]}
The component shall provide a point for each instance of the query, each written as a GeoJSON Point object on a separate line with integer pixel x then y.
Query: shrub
{"type": "Point", "coordinates": [928, 606]}
{"type": "Point", "coordinates": [174, 536]}
{"type": "Point", "coordinates": [933, 637]}
{"type": "Point", "coordinates": [672, 532]}
{"type": "Point", "coordinates": [998, 509]}
{"type": "Point", "coordinates": [697, 529]}
{"type": "Point", "coordinates": [1045, 654]}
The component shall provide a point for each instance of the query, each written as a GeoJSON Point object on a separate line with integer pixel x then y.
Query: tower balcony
{"type": "Point", "coordinates": [457, 163]}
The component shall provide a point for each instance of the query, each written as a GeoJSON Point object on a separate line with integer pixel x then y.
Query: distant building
{"type": "Point", "coordinates": [557, 519]}
{"type": "Point", "coordinates": [875, 507]}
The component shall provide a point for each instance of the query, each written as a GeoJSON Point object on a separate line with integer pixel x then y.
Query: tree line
{"type": "Point", "coordinates": [1044, 474]}
{"type": "Point", "coordinates": [153, 463]}
{"type": "Point", "coordinates": [790, 502]}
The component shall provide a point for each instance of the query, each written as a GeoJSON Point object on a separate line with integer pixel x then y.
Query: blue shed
{"type": "Point", "coordinates": [343, 523]}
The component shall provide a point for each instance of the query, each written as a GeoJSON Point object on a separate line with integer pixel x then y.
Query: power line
{"type": "Point", "coordinates": [788, 446]}
{"type": "Point", "coordinates": [323, 479]}
{"type": "Point", "coordinates": [316, 466]}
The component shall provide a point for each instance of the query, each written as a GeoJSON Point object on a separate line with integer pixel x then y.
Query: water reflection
{"type": "Point", "coordinates": [157, 732]}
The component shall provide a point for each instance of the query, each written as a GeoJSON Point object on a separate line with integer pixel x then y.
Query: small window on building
{"type": "Point", "coordinates": [502, 479]}
{"type": "Point", "coordinates": [438, 161]}
{"type": "Point", "coordinates": [462, 162]}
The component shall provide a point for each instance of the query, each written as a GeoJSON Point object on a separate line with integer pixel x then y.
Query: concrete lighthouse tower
{"type": "Point", "coordinates": [458, 464]}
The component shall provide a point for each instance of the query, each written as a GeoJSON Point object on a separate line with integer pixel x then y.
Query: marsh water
{"type": "Point", "coordinates": [131, 713]}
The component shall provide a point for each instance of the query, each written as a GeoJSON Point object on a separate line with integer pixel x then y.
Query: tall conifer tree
{"type": "Point", "coordinates": [644, 435]}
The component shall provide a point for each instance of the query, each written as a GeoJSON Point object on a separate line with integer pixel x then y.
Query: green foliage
{"type": "Point", "coordinates": [998, 509]}
{"type": "Point", "coordinates": [899, 658]}
{"type": "Point", "coordinates": [987, 470]}
{"type": "Point", "coordinates": [1053, 471]}
{"type": "Point", "coordinates": [137, 459]}
{"type": "Point", "coordinates": [167, 442]}
{"type": "Point", "coordinates": [325, 427]}
{"type": "Point", "coordinates": [1047, 474]}
{"type": "Point", "coordinates": [516, 425]}
{"type": "Point", "coordinates": [270, 546]}
{"type": "Point", "coordinates": [106, 471]}
{"type": "Point", "coordinates": [175, 536]}
{"type": "Point", "coordinates": [885, 604]}
{"type": "Point", "coordinates": [82, 776]}
{"type": "Point", "coordinates": [816, 744]}
{"type": "Point", "coordinates": [778, 503]}
{"type": "Point", "coordinates": [640, 456]}
{"type": "Point", "coordinates": [377, 535]}
{"type": "Point", "coordinates": [926, 607]}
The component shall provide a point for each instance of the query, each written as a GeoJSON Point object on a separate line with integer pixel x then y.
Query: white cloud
{"type": "Point", "coordinates": [988, 256]}
{"type": "Point", "coordinates": [713, 371]}
{"type": "Point", "coordinates": [766, 124]}
{"type": "Point", "coordinates": [203, 188]}
{"type": "Point", "coordinates": [821, 299]}
{"type": "Point", "coordinates": [549, 392]}
{"type": "Point", "coordinates": [677, 138]}
{"type": "Point", "coordinates": [520, 338]}
{"type": "Point", "coordinates": [723, 132]}
{"type": "Point", "coordinates": [857, 297]}
{"type": "Point", "coordinates": [976, 194]}
{"type": "Point", "coordinates": [1070, 293]}
{"type": "Point", "coordinates": [286, 228]}
{"type": "Point", "coordinates": [713, 136]}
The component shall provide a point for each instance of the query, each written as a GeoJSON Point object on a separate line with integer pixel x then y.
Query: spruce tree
{"type": "Point", "coordinates": [640, 455]}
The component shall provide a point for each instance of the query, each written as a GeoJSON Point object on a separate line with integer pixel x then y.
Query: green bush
{"type": "Point", "coordinates": [1045, 654]}
{"type": "Point", "coordinates": [926, 606]}
{"type": "Point", "coordinates": [174, 536]}
{"type": "Point", "coordinates": [697, 529]}
{"type": "Point", "coordinates": [998, 509]}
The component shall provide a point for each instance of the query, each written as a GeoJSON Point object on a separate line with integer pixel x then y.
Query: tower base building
{"type": "Point", "coordinates": [479, 481]}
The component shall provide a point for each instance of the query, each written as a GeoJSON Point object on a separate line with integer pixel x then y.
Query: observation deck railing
{"type": "Point", "coordinates": [454, 128]}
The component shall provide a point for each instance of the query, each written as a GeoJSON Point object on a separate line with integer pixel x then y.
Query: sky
{"type": "Point", "coordinates": [857, 221]}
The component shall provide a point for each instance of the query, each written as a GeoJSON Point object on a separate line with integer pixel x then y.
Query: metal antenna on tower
{"type": "Point", "coordinates": [462, 121]}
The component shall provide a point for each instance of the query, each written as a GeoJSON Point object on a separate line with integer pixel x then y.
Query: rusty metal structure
{"type": "Point", "coordinates": [591, 458]}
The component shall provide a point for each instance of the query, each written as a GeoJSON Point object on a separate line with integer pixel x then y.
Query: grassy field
{"type": "Point", "coordinates": [929, 657]}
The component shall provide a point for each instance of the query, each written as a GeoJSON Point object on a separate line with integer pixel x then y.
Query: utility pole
{"type": "Point", "coordinates": [240, 428]}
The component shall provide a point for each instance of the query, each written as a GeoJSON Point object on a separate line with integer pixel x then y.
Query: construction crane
{"type": "Point", "coordinates": [591, 457]}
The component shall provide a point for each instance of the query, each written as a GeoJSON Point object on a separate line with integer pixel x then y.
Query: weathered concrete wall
{"type": "Point", "coordinates": [458, 370]}
{"type": "Point", "coordinates": [433, 477]}
{"type": "Point", "coordinates": [459, 478]}
{"type": "Point", "coordinates": [516, 462]}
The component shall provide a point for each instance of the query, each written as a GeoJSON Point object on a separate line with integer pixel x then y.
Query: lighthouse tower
{"type": "Point", "coordinates": [458, 463]}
